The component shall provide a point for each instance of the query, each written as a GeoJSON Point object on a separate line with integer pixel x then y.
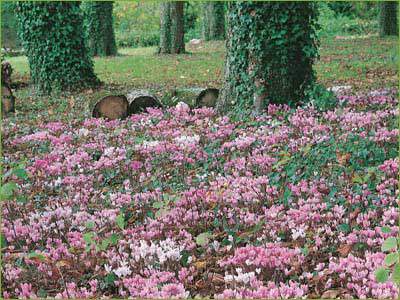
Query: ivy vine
{"type": "Point", "coordinates": [270, 52]}
{"type": "Point", "coordinates": [52, 36]}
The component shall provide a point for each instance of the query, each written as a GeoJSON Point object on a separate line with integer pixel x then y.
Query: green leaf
{"type": "Point", "coordinates": [104, 244]}
{"type": "Point", "coordinates": [344, 227]}
{"type": "Point", "coordinates": [120, 220]}
{"type": "Point", "coordinates": [22, 199]}
{"type": "Point", "coordinates": [33, 254]}
{"type": "Point", "coordinates": [114, 238]}
{"type": "Point", "coordinates": [381, 275]}
{"type": "Point", "coordinates": [396, 274]}
{"type": "Point", "coordinates": [88, 237]}
{"type": "Point", "coordinates": [89, 224]}
{"type": "Point", "coordinates": [3, 241]}
{"type": "Point", "coordinates": [203, 239]}
{"type": "Point", "coordinates": [184, 258]}
{"type": "Point", "coordinates": [150, 214]}
{"type": "Point", "coordinates": [358, 179]}
{"type": "Point", "coordinates": [20, 173]}
{"type": "Point", "coordinates": [304, 250]}
{"type": "Point", "coordinates": [158, 204]}
{"type": "Point", "coordinates": [42, 293]}
{"type": "Point", "coordinates": [391, 259]}
{"type": "Point", "coordinates": [389, 244]}
{"type": "Point", "coordinates": [386, 229]}
{"type": "Point", "coordinates": [7, 190]}
{"type": "Point", "coordinates": [110, 278]}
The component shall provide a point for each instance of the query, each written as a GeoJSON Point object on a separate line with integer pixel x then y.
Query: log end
{"type": "Point", "coordinates": [111, 107]}
{"type": "Point", "coordinates": [141, 103]}
{"type": "Point", "coordinates": [207, 97]}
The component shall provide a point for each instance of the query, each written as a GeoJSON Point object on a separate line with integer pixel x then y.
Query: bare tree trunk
{"type": "Point", "coordinates": [388, 18]}
{"type": "Point", "coordinates": [206, 21]}
{"type": "Point", "coordinates": [226, 98]}
{"type": "Point", "coordinates": [165, 28]}
{"type": "Point", "coordinates": [177, 27]}
{"type": "Point", "coordinates": [213, 20]}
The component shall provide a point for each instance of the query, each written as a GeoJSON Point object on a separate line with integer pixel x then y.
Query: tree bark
{"type": "Point", "coordinates": [99, 28]}
{"type": "Point", "coordinates": [165, 28]}
{"type": "Point", "coordinates": [53, 39]}
{"type": "Point", "coordinates": [213, 20]}
{"type": "Point", "coordinates": [206, 21]}
{"type": "Point", "coordinates": [388, 19]}
{"type": "Point", "coordinates": [7, 100]}
{"type": "Point", "coordinates": [172, 28]}
{"type": "Point", "coordinates": [177, 27]}
{"type": "Point", "coordinates": [266, 61]}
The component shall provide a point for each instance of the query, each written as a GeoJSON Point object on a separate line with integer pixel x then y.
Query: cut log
{"type": "Point", "coordinates": [195, 97]}
{"type": "Point", "coordinates": [7, 100]}
{"type": "Point", "coordinates": [139, 100]}
{"type": "Point", "coordinates": [111, 107]}
{"type": "Point", "coordinates": [207, 97]}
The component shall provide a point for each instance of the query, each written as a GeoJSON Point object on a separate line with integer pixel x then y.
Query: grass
{"type": "Point", "coordinates": [364, 63]}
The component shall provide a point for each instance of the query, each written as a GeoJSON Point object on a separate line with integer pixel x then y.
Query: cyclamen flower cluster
{"type": "Point", "coordinates": [183, 203]}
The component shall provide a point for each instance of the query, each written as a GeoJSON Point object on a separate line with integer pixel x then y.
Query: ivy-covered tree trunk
{"type": "Point", "coordinates": [172, 28]}
{"type": "Point", "coordinates": [214, 20]}
{"type": "Point", "coordinates": [99, 28]}
{"type": "Point", "coordinates": [52, 36]}
{"type": "Point", "coordinates": [388, 18]}
{"type": "Point", "coordinates": [271, 47]}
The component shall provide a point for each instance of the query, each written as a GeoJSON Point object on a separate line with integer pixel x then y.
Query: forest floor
{"type": "Point", "coordinates": [183, 203]}
{"type": "Point", "coordinates": [365, 63]}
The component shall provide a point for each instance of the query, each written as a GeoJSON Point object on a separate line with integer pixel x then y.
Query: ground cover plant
{"type": "Point", "coordinates": [287, 204]}
{"type": "Point", "coordinates": [187, 203]}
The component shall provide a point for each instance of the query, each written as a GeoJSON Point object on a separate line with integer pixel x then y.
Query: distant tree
{"type": "Point", "coordinates": [172, 28]}
{"type": "Point", "coordinates": [9, 36]}
{"type": "Point", "coordinates": [165, 28]}
{"type": "Point", "coordinates": [52, 36]}
{"type": "Point", "coordinates": [99, 27]}
{"type": "Point", "coordinates": [213, 20]}
{"type": "Point", "coordinates": [388, 18]}
{"type": "Point", "coordinates": [271, 47]}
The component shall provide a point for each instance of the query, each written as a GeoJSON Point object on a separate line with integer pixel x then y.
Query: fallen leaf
{"type": "Point", "coordinates": [200, 264]}
{"type": "Point", "coordinates": [330, 294]}
{"type": "Point", "coordinates": [345, 249]}
{"type": "Point", "coordinates": [63, 263]}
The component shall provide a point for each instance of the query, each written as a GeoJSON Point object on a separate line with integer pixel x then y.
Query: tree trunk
{"type": "Point", "coordinates": [271, 47]}
{"type": "Point", "coordinates": [213, 20]}
{"type": "Point", "coordinates": [227, 95]}
{"type": "Point", "coordinates": [217, 21]}
{"type": "Point", "coordinates": [99, 28]}
{"type": "Point", "coordinates": [7, 100]}
{"type": "Point", "coordinates": [206, 21]}
{"type": "Point", "coordinates": [53, 39]}
{"type": "Point", "coordinates": [388, 18]}
{"type": "Point", "coordinates": [165, 28]}
{"type": "Point", "coordinates": [171, 28]}
{"type": "Point", "coordinates": [177, 27]}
